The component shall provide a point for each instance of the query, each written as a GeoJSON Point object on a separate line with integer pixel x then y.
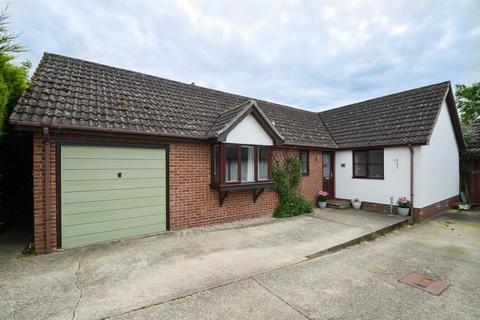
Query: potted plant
{"type": "Point", "coordinates": [322, 199]}
{"type": "Point", "coordinates": [356, 204]}
{"type": "Point", "coordinates": [403, 206]}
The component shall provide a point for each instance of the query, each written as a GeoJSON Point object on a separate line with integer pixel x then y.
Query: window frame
{"type": "Point", "coordinates": [300, 151]}
{"type": "Point", "coordinates": [366, 151]}
{"type": "Point", "coordinates": [222, 164]}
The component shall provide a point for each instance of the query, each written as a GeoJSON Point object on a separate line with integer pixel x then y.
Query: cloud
{"type": "Point", "coordinates": [307, 54]}
{"type": "Point", "coordinates": [399, 29]}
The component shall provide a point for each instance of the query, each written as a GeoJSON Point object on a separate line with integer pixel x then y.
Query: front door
{"type": "Point", "coordinates": [328, 172]}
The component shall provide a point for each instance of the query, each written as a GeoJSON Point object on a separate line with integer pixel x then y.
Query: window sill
{"type": "Point", "coordinates": [242, 186]}
{"type": "Point", "coordinates": [368, 178]}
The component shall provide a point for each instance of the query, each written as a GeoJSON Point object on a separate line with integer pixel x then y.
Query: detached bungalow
{"type": "Point", "coordinates": [119, 153]}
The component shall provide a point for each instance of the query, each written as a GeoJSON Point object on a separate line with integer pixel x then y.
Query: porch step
{"type": "Point", "coordinates": [338, 203]}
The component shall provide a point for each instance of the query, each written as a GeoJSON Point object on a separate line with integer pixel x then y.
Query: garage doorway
{"type": "Point", "coordinates": [111, 192]}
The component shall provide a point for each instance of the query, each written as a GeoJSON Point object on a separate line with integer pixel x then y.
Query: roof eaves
{"type": "Point", "coordinates": [267, 120]}
{"type": "Point", "coordinates": [327, 130]}
{"type": "Point", "coordinates": [453, 115]}
{"type": "Point", "coordinates": [439, 109]}
{"type": "Point", "coordinates": [240, 113]}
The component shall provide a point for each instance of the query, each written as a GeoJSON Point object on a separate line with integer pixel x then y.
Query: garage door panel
{"type": "Point", "coordinates": [99, 185]}
{"type": "Point", "coordinates": [109, 215]}
{"type": "Point", "coordinates": [121, 224]}
{"type": "Point", "coordinates": [94, 206]}
{"type": "Point", "coordinates": [100, 164]}
{"type": "Point", "coordinates": [98, 204]}
{"type": "Point", "coordinates": [86, 152]}
{"type": "Point", "coordinates": [105, 195]}
{"type": "Point", "coordinates": [69, 242]}
{"type": "Point", "coordinates": [111, 174]}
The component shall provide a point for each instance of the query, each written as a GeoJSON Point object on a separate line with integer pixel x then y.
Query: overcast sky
{"type": "Point", "coordinates": [308, 54]}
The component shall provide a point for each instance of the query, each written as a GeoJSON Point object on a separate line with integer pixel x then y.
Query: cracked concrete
{"type": "Point", "coordinates": [77, 284]}
{"type": "Point", "coordinates": [111, 279]}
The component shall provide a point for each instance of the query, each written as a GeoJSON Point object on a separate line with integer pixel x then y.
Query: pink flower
{"type": "Point", "coordinates": [403, 202]}
{"type": "Point", "coordinates": [323, 193]}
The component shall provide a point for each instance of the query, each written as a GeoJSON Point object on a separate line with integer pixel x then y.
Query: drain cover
{"type": "Point", "coordinates": [425, 283]}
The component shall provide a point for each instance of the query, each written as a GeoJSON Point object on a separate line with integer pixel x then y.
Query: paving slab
{"type": "Point", "coordinates": [241, 300]}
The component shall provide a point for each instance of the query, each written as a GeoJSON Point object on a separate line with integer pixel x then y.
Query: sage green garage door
{"type": "Point", "coordinates": [110, 193]}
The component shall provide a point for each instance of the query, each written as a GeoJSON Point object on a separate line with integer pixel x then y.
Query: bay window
{"type": "Point", "coordinates": [248, 163]}
{"type": "Point", "coordinates": [231, 164]}
{"type": "Point", "coordinates": [236, 164]}
{"type": "Point", "coordinates": [263, 164]}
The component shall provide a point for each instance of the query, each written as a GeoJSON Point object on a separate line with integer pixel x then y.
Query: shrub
{"type": "Point", "coordinates": [287, 180]}
{"type": "Point", "coordinates": [282, 183]}
{"type": "Point", "coordinates": [292, 206]}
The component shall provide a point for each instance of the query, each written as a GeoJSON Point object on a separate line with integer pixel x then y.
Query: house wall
{"type": "Point", "coordinates": [437, 172]}
{"type": "Point", "coordinates": [396, 180]}
{"type": "Point", "coordinates": [191, 200]}
{"type": "Point", "coordinates": [249, 131]}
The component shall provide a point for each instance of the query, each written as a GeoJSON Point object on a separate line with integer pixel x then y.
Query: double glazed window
{"type": "Point", "coordinates": [303, 155]}
{"type": "Point", "coordinates": [368, 164]}
{"type": "Point", "coordinates": [240, 164]}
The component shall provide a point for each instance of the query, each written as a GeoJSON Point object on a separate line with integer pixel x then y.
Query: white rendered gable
{"type": "Point", "coordinates": [249, 131]}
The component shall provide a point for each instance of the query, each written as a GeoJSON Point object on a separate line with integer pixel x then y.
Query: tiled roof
{"type": "Point", "coordinates": [227, 117]}
{"type": "Point", "coordinates": [76, 94]}
{"type": "Point", "coordinates": [398, 119]}
{"type": "Point", "coordinates": [472, 137]}
{"type": "Point", "coordinates": [72, 93]}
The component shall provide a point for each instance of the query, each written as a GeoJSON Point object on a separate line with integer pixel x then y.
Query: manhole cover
{"type": "Point", "coordinates": [425, 283]}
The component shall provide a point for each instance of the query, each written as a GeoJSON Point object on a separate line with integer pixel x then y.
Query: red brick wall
{"type": "Point", "coordinates": [422, 214]}
{"type": "Point", "coordinates": [192, 202]}
{"type": "Point", "coordinates": [419, 214]}
{"type": "Point", "coordinates": [39, 194]}
{"type": "Point", "coordinates": [376, 207]}
{"type": "Point", "coordinates": [312, 183]}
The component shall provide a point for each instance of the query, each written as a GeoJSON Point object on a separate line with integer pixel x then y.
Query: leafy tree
{"type": "Point", "coordinates": [13, 78]}
{"type": "Point", "coordinates": [15, 148]}
{"type": "Point", "coordinates": [468, 103]}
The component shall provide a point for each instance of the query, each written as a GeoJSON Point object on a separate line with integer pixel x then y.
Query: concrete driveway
{"type": "Point", "coordinates": [251, 271]}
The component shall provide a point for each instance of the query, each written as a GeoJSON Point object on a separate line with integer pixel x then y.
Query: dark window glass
{"type": "Point", "coordinates": [368, 164]}
{"type": "Point", "coordinates": [303, 155]}
{"type": "Point", "coordinates": [215, 162]}
{"type": "Point", "coordinates": [262, 164]}
{"type": "Point", "coordinates": [231, 164]}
